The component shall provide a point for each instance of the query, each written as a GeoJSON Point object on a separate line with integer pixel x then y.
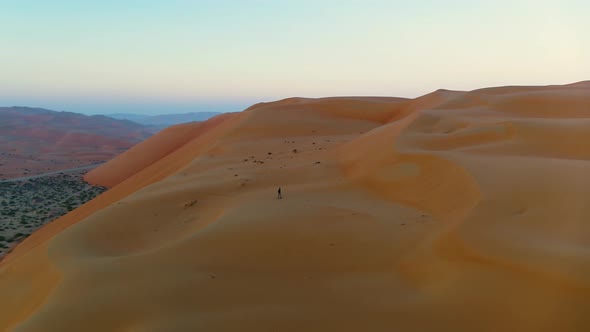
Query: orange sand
{"type": "Point", "coordinates": [455, 211]}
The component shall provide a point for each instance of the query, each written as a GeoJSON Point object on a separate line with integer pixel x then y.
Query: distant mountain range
{"type": "Point", "coordinates": [36, 140]}
{"type": "Point", "coordinates": [28, 118]}
{"type": "Point", "coordinates": [164, 120]}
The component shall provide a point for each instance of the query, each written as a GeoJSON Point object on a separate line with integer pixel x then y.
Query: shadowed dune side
{"type": "Point", "coordinates": [427, 101]}
{"type": "Point", "coordinates": [456, 208]}
{"type": "Point", "coordinates": [520, 172]}
{"type": "Point", "coordinates": [441, 190]}
{"type": "Point", "coordinates": [423, 181]}
{"type": "Point", "coordinates": [413, 178]}
{"type": "Point", "coordinates": [530, 158]}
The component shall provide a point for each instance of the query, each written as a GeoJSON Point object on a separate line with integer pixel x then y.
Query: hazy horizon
{"type": "Point", "coordinates": [181, 56]}
{"type": "Point", "coordinates": [174, 107]}
{"type": "Point", "coordinates": [139, 107]}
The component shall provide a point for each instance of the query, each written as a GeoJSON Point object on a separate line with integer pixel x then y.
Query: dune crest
{"type": "Point", "coordinates": [454, 211]}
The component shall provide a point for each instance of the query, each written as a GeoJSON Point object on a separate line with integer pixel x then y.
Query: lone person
{"type": "Point", "coordinates": [279, 194]}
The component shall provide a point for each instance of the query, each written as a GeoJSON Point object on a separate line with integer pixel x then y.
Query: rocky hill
{"type": "Point", "coordinates": [35, 140]}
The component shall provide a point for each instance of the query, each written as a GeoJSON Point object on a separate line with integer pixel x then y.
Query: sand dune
{"type": "Point", "coordinates": [455, 211]}
{"type": "Point", "coordinates": [149, 152]}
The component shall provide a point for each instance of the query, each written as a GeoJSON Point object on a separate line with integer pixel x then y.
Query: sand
{"type": "Point", "coordinates": [455, 211]}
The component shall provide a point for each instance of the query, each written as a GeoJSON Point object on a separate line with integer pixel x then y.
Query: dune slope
{"type": "Point", "coordinates": [456, 211]}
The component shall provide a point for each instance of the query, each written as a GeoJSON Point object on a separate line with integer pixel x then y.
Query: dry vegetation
{"type": "Point", "coordinates": [29, 204]}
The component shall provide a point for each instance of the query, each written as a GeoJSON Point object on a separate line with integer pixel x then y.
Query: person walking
{"type": "Point", "coordinates": [280, 196]}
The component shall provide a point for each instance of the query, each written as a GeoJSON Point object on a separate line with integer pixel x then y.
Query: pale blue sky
{"type": "Point", "coordinates": [179, 55]}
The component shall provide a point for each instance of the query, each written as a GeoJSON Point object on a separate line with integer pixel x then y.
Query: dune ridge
{"type": "Point", "coordinates": [454, 211]}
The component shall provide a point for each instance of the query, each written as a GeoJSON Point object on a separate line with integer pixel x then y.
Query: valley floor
{"type": "Point", "coordinates": [26, 205]}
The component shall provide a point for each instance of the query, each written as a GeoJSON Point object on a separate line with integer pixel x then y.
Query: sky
{"type": "Point", "coordinates": [175, 56]}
